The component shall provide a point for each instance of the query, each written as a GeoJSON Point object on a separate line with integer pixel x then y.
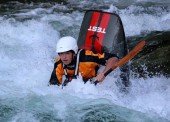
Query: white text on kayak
{"type": "Point", "coordinates": [97, 29]}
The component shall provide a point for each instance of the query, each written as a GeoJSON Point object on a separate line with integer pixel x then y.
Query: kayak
{"type": "Point", "coordinates": [103, 32]}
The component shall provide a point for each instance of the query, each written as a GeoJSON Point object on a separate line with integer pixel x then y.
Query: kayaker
{"type": "Point", "coordinates": [73, 61]}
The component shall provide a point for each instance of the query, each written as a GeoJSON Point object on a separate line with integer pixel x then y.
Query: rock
{"type": "Point", "coordinates": [154, 59]}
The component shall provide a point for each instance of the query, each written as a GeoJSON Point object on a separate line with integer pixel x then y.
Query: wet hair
{"type": "Point", "coordinates": [72, 51]}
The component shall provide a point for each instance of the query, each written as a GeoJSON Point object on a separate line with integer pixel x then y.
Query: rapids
{"type": "Point", "coordinates": [28, 35]}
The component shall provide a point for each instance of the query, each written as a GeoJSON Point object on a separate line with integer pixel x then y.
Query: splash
{"type": "Point", "coordinates": [27, 52]}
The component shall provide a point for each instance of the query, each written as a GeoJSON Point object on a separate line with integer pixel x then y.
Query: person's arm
{"type": "Point", "coordinates": [56, 76]}
{"type": "Point", "coordinates": [53, 79]}
{"type": "Point", "coordinates": [109, 64]}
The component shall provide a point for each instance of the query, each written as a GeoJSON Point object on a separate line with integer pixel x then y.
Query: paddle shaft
{"type": "Point", "coordinates": [125, 59]}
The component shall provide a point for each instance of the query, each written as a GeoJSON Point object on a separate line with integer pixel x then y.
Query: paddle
{"type": "Point", "coordinates": [125, 59]}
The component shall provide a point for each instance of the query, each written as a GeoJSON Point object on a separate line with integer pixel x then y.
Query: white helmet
{"type": "Point", "coordinates": [66, 43]}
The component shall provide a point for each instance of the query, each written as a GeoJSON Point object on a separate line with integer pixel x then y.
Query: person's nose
{"type": "Point", "coordinates": [64, 56]}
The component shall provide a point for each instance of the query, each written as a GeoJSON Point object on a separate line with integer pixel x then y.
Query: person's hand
{"type": "Point", "coordinates": [100, 77]}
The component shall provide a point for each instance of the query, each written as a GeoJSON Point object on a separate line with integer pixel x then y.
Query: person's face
{"type": "Point", "coordinates": [66, 57]}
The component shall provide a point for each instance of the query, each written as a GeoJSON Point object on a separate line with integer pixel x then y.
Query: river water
{"type": "Point", "coordinates": [28, 35]}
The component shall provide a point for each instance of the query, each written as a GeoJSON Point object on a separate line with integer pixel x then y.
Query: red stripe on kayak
{"type": "Point", "coordinates": [103, 26]}
{"type": "Point", "coordinates": [94, 22]}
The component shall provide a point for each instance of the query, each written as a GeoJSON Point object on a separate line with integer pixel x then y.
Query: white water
{"type": "Point", "coordinates": [27, 52]}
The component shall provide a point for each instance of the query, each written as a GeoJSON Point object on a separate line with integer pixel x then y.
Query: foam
{"type": "Point", "coordinates": [138, 20]}
{"type": "Point", "coordinates": [27, 53]}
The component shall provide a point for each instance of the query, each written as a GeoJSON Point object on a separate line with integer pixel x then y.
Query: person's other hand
{"type": "Point", "coordinates": [100, 77]}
